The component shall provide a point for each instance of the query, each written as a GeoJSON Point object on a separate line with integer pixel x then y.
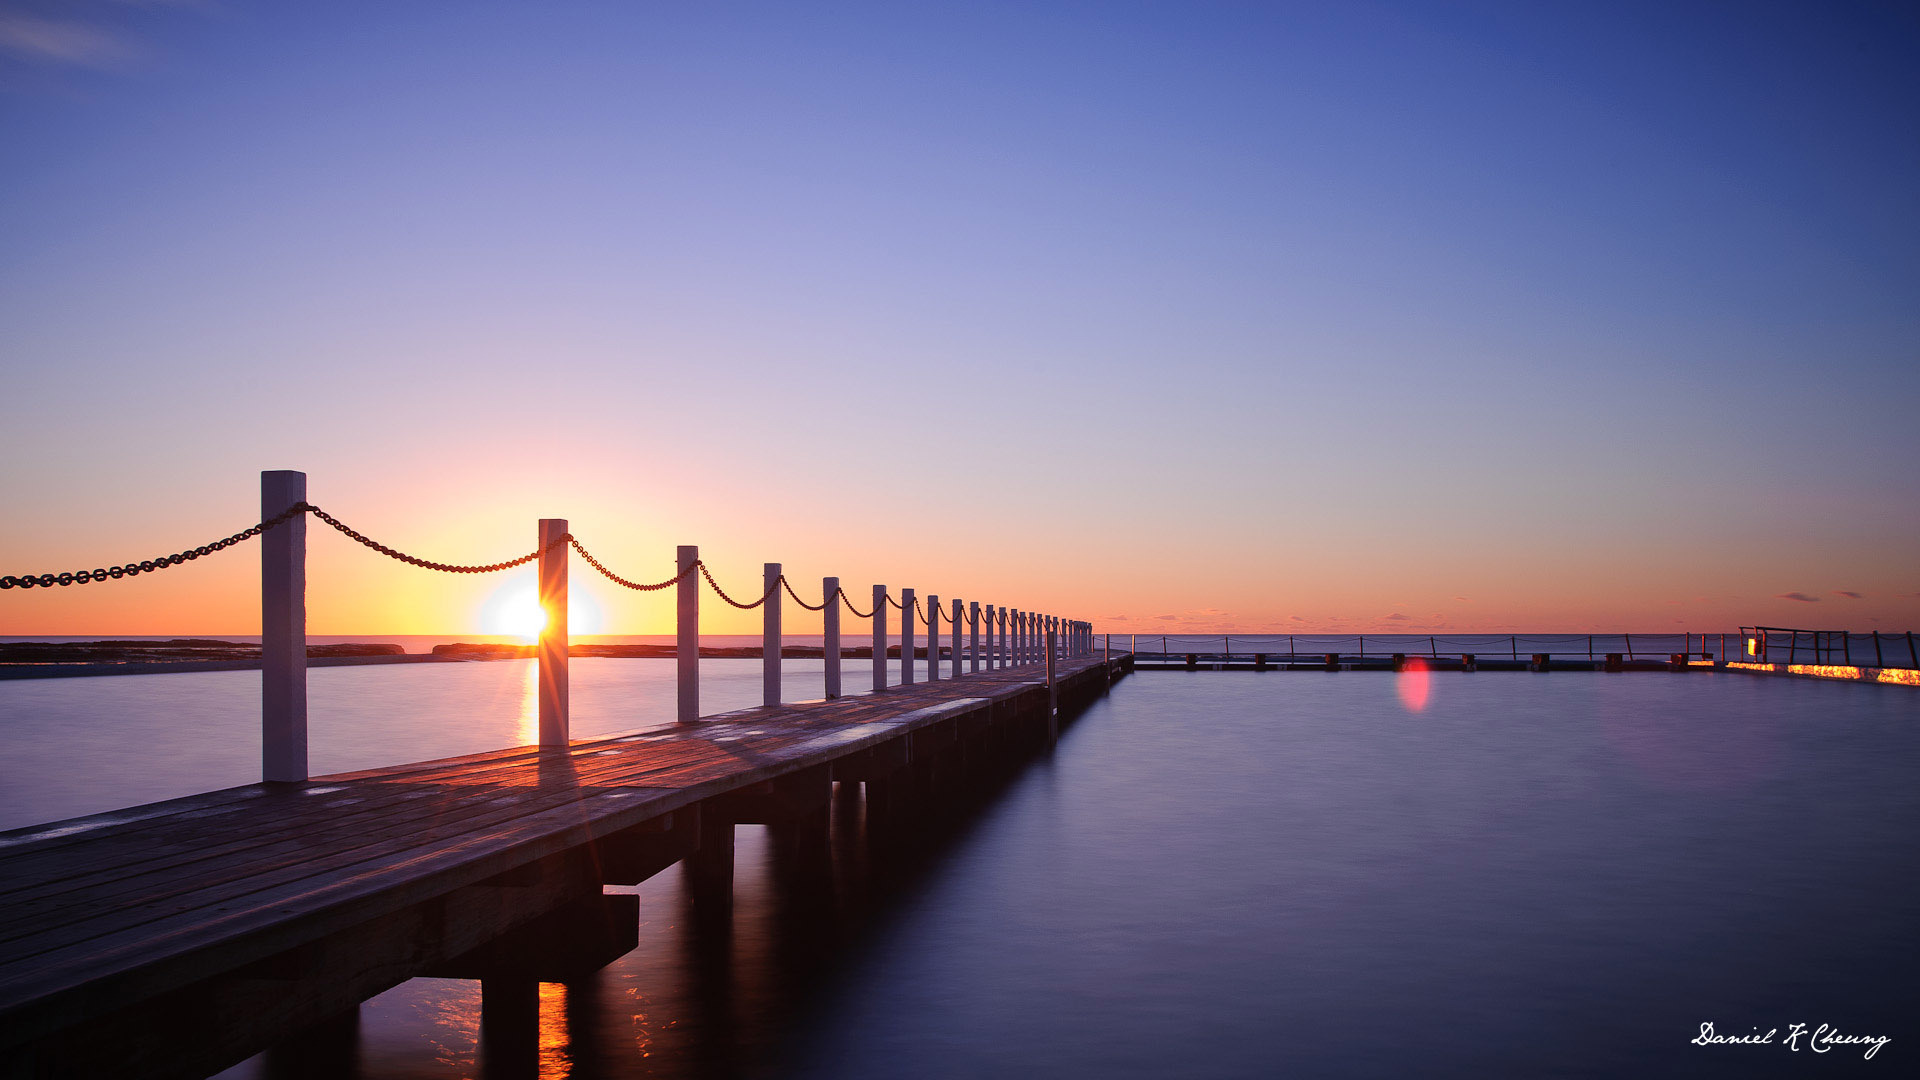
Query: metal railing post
{"type": "Point", "coordinates": [830, 632]}
{"type": "Point", "coordinates": [283, 629]}
{"type": "Point", "coordinates": [687, 632]}
{"type": "Point", "coordinates": [953, 671]}
{"type": "Point", "coordinates": [553, 634]}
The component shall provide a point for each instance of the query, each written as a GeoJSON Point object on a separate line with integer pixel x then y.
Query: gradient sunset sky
{"type": "Point", "coordinates": [1174, 316]}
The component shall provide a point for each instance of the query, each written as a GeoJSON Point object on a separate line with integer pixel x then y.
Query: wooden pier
{"type": "Point", "coordinates": [178, 938]}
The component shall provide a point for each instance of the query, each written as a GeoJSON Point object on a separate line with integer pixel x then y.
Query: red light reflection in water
{"type": "Point", "coordinates": [1414, 684]}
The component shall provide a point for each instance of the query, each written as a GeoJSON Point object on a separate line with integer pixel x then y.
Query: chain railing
{"type": "Point", "coordinates": [618, 580]}
{"type": "Point", "coordinates": [821, 606]}
{"type": "Point", "coordinates": [147, 566]}
{"type": "Point", "coordinates": [1008, 643]}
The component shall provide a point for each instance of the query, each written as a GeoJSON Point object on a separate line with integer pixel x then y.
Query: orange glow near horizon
{"type": "Point", "coordinates": [1126, 585]}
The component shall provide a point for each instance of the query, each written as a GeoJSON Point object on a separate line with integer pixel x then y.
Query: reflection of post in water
{"type": "Point", "coordinates": [509, 1027]}
{"type": "Point", "coordinates": [707, 941]}
{"type": "Point", "coordinates": [326, 1051]}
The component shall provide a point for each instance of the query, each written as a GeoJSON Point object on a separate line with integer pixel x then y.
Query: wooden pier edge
{"type": "Point", "coordinates": [179, 938]}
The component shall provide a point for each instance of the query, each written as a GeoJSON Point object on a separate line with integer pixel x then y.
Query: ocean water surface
{"type": "Point", "coordinates": [1214, 874]}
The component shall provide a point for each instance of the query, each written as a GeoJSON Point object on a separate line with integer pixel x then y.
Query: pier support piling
{"type": "Point", "coordinates": [710, 867]}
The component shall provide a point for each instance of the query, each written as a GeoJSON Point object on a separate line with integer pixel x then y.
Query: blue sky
{"type": "Point", "coordinates": [1241, 314]}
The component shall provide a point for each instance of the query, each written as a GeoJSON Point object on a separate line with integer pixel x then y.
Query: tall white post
{"type": "Point", "coordinates": [933, 638]}
{"type": "Point", "coordinates": [906, 637]}
{"type": "Point", "coordinates": [973, 627]}
{"type": "Point", "coordinates": [283, 629]}
{"type": "Point", "coordinates": [687, 647]}
{"type": "Point", "coordinates": [553, 634]}
{"type": "Point", "coordinates": [879, 637]}
{"type": "Point", "coordinates": [953, 672]}
{"type": "Point", "coordinates": [830, 630]}
{"type": "Point", "coordinates": [770, 638]}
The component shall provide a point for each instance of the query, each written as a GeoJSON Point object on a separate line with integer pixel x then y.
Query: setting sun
{"type": "Point", "coordinates": [514, 611]}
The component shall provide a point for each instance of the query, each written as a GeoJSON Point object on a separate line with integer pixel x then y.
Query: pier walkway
{"type": "Point", "coordinates": [176, 938]}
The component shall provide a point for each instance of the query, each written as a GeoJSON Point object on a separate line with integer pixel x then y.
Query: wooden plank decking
{"type": "Point", "coordinates": [109, 913]}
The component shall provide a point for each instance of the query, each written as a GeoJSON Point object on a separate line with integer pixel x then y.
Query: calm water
{"type": "Point", "coordinates": [1215, 874]}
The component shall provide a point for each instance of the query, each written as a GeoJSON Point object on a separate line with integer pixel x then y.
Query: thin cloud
{"type": "Point", "coordinates": [1296, 618]}
{"type": "Point", "coordinates": [1849, 594]}
{"type": "Point", "coordinates": [1800, 596]}
{"type": "Point", "coordinates": [1462, 599]}
{"type": "Point", "coordinates": [61, 41]}
{"type": "Point", "coordinates": [1166, 618]}
{"type": "Point", "coordinates": [1397, 617]}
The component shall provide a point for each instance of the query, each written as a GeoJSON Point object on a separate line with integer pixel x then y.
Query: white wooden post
{"type": "Point", "coordinates": [687, 648]}
{"type": "Point", "coordinates": [906, 637]}
{"type": "Point", "coordinates": [830, 629]}
{"type": "Point", "coordinates": [283, 629]}
{"type": "Point", "coordinates": [770, 638]}
{"type": "Point", "coordinates": [933, 638]}
{"type": "Point", "coordinates": [553, 634]}
{"type": "Point", "coordinates": [879, 637]}
{"type": "Point", "coordinates": [973, 636]}
{"type": "Point", "coordinates": [953, 672]}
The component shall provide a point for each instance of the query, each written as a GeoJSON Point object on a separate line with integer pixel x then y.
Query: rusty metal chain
{"type": "Point", "coordinates": [857, 613]}
{"type": "Point", "coordinates": [617, 579]}
{"type": "Point", "coordinates": [704, 572]}
{"type": "Point", "coordinates": [896, 604]}
{"type": "Point", "coordinates": [147, 566]}
{"type": "Point", "coordinates": [822, 606]}
{"type": "Point", "coordinates": [427, 564]}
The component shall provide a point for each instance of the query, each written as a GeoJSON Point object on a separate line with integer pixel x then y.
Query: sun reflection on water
{"type": "Point", "coordinates": [556, 1059]}
{"type": "Point", "coordinates": [526, 731]}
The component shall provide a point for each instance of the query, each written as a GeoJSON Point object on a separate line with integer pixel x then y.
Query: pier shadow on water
{"type": "Point", "coordinates": [702, 995]}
